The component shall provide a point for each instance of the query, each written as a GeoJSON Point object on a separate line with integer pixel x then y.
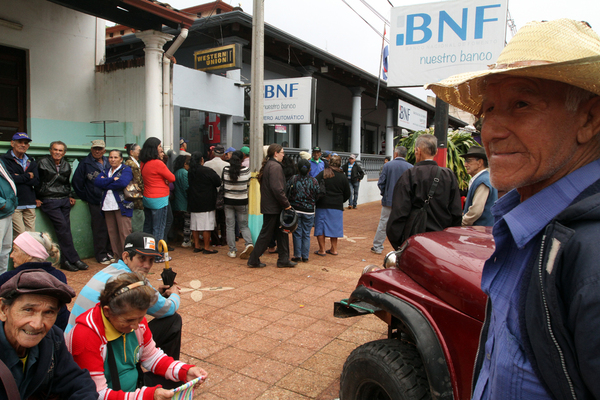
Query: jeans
{"type": "Point", "coordinates": [242, 217]}
{"type": "Point", "coordinates": [301, 235]}
{"type": "Point", "coordinates": [353, 193]}
{"type": "Point", "coordinates": [155, 222]}
{"type": "Point", "coordinates": [380, 235]}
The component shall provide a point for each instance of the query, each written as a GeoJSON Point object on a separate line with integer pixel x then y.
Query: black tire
{"type": "Point", "coordinates": [385, 369]}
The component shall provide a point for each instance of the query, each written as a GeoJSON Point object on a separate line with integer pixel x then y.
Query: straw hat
{"type": "Point", "coordinates": [561, 50]}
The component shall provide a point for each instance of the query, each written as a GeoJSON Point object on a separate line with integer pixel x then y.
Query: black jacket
{"type": "Point", "coordinates": [560, 297]}
{"type": "Point", "coordinates": [411, 190]}
{"type": "Point", "coordinates": [202, 190]}
{"type": "Point", "coordinates": [357, 173]}
{"type": "Point", "coordinates": [84, 176]}
{"type": "Point", "coordinates": [53, 185]}
{"type": "Point", "coordinates": [272, 188]}
{"type": "Point", "coordinates": [337, 191]}
{"type": "Point", "coordinates": [25, 184]}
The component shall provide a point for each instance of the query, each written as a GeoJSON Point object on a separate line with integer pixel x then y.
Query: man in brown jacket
{"type": "Point", "coordinates": [272, 202]}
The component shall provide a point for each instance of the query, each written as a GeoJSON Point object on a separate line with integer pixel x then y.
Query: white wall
{"type": "Point", "coordinates": [61, 46]}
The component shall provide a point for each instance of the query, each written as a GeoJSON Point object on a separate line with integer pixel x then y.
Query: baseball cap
{"type": "Point", "coordinates": [21, 135]}
{"type": "Point", "coordinates": [316, 148]}
{"type": "Point", "coordinates": [326, 153]}
{"type": "Point", "coordinates": [182, 141]}
{"type": "Point", "coordinates": [219, 150]}
{"type": "Point", "coordinates": [98, 143]}
{"type": "Point", "coordinates": [36, 281]}
{"type": "Point", "coordinates": [230, 150]}
{"type": "Point", "coordinates": [352, 156]}
{"type": "Point", "coordinates": [142, 243]}
{"type": "Point", "coordinates": [245, 150]}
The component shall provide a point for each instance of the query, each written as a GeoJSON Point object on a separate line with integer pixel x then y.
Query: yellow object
{"type": "Point", "coordinates": [163, 248]}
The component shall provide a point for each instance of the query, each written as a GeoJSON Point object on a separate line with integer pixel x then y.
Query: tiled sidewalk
{"type": "Point", "coordinates": [270, 333]}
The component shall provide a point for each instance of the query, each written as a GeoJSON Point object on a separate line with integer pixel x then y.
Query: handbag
{"type": "Point", "coordinates": [416, 222]}
{"type": "Point", "coordinates": [322, 189]}
{"type": "Point", "coordinates": [132, 191]}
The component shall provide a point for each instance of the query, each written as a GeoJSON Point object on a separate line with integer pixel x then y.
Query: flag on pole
{"type": "Point", "coordinates": [386, 54]}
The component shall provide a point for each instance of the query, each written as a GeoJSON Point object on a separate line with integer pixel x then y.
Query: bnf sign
{"type": "Point", "coordinates": [430, 42]}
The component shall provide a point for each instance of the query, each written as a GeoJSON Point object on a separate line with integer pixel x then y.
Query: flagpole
{"type": "Point", "coordinates": [380, 67]}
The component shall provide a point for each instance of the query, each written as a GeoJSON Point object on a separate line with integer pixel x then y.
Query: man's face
{"type": "Point", "coordinates": [351, 161]}
{"type": "Point", "coordinates": [97, 152]}
{"type": "Point", "coordinates": [529, 136]}
{"type": "Point", "coordinates": [316, 155]}
{"type": "Point", "coordinates": [139, 263]}
{"type": "Point", "coordinates": [473, 165]}
{"type": "Point", "coordinates": [57, 151]}
{"type": "Point", "coordinates": [20, 146]}
{"type": "Point", "coordinates": [27, 320]}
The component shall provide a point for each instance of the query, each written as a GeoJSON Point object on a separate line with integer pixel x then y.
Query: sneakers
{"type": "Point", "coordinates": [106, 261]}
{"type": "Point", "coordinates": [186, 244]}
{"type": "Point", "coordinates": [247, 251]}
{"type": "Point", "coordinates": [231, 254]}
{"type": "Point", "coordinates": [375, 251]}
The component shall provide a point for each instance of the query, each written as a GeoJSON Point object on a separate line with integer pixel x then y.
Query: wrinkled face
{"type": "Point", "coordinates": [57, 152]}
{"type": "Point", "coordinates": [18, 256]}
{"type": "Point", "coordinates": [135, 152]}
{"type": "Point", "coordinates": [528, 135]}
{"type": "Point", "coordinates": [115, 159]}
{"type": "Point", "coordinates": [20, 146]}
{"type": "Point", "coordinates": [279, 156]}
{"type": "Point", "coordinates": [98, 152]}
{"type": "Point", "coordinates": [139, 263]}
{"type": "Point", "coordinates": [27, 320]}
{"type": "Point", "coordinates": [127, 321]}
{"type": "Point", "coordinates": [473, 165]}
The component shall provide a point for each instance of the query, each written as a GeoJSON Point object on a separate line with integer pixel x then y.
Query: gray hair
{"type": "Point", "coordinates": [427, 143]}
{"type": "Point", "coordinates": [401, 151]}
{"type": "Point", "coordinates": [575, 96]}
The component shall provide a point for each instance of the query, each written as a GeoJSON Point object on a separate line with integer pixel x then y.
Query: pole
{"type": "Point", "coordinates": [380, 67]}
{"type": "Point", "coordinates": [256, 116]}
{"type": "Point", "coordinates": [441, 131]}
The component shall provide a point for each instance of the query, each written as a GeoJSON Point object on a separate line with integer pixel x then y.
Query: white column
{"type": "Point", "coordinates": [305, 137]}
{"type": "Point", "coordinates": [356, 120]}
{"type": "Point", "coordinates": [154, 42]}
{"type": "Point", "coordinates": [389, 129]}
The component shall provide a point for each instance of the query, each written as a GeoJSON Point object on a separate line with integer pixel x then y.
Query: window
{"type": "Point", "coordinates": [13, 89]}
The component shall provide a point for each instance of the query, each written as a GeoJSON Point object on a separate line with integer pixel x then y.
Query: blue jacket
{"type": "Point", "coordinates": [486, 218]}
{"type": "Point", "coordinates": [316, 167]}
{"type": "Point", "coordinates": [8, 197]}
{"type": "Point", "coordinates": [105, 183]}
{"type": "Point", "coordinates": [25, 184]}
{"type": "Point", "coordinates": [391, 172]}
{"type": "Point", "coordinates": [83, 179]}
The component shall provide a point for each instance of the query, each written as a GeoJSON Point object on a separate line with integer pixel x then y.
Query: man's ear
{"type": "Point", "coordinates": [3, 311]}
{"type": "Point", "coordinates": [591, 124]}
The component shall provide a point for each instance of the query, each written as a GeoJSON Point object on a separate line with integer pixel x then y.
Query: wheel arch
{"type": "Point", "coordinates": [427, 342]}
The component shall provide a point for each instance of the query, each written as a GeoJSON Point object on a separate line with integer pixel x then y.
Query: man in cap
{"type": "Point", "coordinates": [83, 184]}
{"type": "Point", "coordinates": [229, 152]}
{"type": "Point", "coordinates": [217, 164]}
{"type": "Point", "coordinates": [55, 200]}
{"type": "Point", "coordinates": [414, 188]}
{"type": "Point", "coordinates": [541, 126]}
{"type": "Point", "coordinates": [355, 174]}
{"type": "Point", "coordinates": [390, 173]}
{"type": "Point", "coordinates": [246, 152]}
{"type": "Point", "coordinates": [325, 157]}
{"type": "Point", "coordinates": [316, 164]}
{"type": "Point", "coordinates": [481, 195]}
{"type": "Point", "coordinates": [183, 145]}
{"type": "Point", "coordinates": [31, 346]}
{"type": "Point", "coordinates": [138, 256]}
{"type": "Point", "coordinates": [24, 172]}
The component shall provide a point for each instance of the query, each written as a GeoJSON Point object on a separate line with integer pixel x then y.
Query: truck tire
{"type": "Point", "coordinates": [385, 369]}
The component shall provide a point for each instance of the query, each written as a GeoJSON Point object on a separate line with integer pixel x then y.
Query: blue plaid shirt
{"type": "Point", "coordinates": [506, 372]}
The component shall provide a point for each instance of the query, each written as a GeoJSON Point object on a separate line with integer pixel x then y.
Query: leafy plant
{"type": "Point", "coordinates": [458, 143]}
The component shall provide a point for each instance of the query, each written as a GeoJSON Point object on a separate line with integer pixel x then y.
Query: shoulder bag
{"type": "Point", "coordinates": [417, 218]}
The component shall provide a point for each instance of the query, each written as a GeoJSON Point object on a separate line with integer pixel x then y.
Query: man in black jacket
{"type": "Point", "coordinates": [23, 170]}
{"type": "Point", "coordinates": [54, 198]}
{"type": "Point", "coordinates": [355, 174]}
{"type": "Point", "coordinates": [412, 190]}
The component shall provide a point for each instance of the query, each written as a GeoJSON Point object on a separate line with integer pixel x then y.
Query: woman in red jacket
{"type": "Point", "coordinates": [156, 178]}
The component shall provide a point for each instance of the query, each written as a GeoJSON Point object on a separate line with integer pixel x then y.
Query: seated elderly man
{"type": "Point", "coordinates": [31, 346]}
{"type": "Point", "coordinates": [540, 105]}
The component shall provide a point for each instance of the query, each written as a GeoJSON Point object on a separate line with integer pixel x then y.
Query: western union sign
{"type": "Point", "coordinates": [222, 58]}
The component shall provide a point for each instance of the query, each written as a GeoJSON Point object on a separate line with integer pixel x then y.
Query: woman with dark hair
{"type": "Point", "coordinates": [112, 341]}
{"type": "Point", "coordinates": [236, 179]}
{"type": "Point", "coordinates": [302, 190]}
{"type": "Point", "coordinates": [156, 177]}
{"type": "Point", "coordinates": [179, 204]}
{"type": "Point", "coordinates": [329, 215]}
{"type": "Point", "coordinates": [133, 153]}
{"type": "Point", "coordinates": [202, 201]}
{"type": "Point", "coordinates": [116, 210]}
{"type": "Point", "coordinates": [272, 202]}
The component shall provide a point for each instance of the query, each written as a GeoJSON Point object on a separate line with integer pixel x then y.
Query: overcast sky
{"type": "Point", "coordinates": [333, 26]}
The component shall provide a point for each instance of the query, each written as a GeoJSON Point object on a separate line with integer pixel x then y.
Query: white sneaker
{"type": "Point", "coordinates": [232, 254]}
{"type": "Point", "coordinates": [247, 251]}
{"type": "Point", "coordinates": [186, 244]}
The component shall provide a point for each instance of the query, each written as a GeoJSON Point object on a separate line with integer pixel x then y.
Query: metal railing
{"type": "Point", "coordinates": [370, 163]}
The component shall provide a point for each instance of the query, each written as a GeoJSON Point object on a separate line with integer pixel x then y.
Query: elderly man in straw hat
{"type": "Point", "coordinates": [481, 195]}
{"type": "Point", "coordinates": [541, 125]}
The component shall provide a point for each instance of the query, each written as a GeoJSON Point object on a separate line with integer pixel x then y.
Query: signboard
{"type": "Point", "coordinates": [222, 58]}
{"type": "Point", "coordinates": [290, 101]}
{"type": "Point", "coordinates": [411, 117]}
{"type": "Point", "coordinates": [430, 42]}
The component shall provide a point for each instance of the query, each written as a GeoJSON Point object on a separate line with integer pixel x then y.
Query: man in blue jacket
{"type": "Point", "coordinates": [481, 195]}
{"type": "Point", "coordinates": [8, 203]}
{"type": "Point", "coordinates": [83, 184]}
